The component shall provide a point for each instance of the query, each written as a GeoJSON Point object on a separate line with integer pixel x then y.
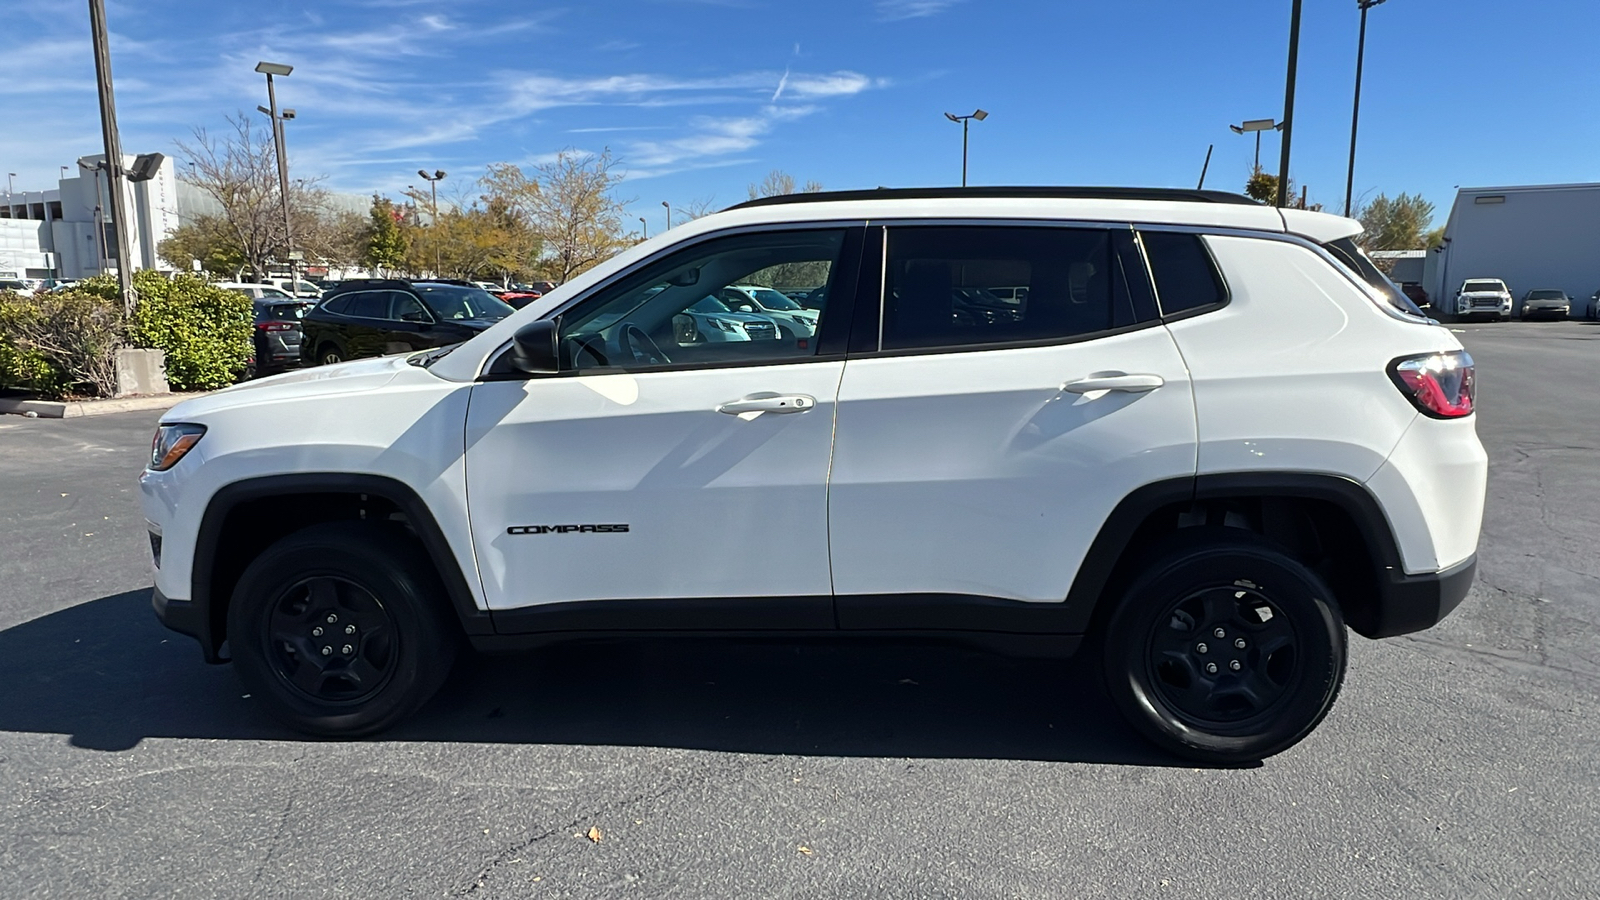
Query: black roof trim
{"type": "Point", "coordinates": [1180, 195]}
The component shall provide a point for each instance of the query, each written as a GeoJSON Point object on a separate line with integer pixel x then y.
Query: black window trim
{"type": "Point", "coordinates": [486, 372]}
{"type": "Point", "coordinates": [1111, 227]}
{"type": "Point", "coordinates": [1220, 276]}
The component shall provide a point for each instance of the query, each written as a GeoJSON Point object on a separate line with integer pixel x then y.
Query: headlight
{"type": "Point", "coordinates": [171, 443]}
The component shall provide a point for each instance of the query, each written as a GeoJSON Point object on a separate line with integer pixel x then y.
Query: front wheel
{"type": "Point", "coordinates": [342, 629]}
{"type": "Point", "coordinates": [1226, 650]}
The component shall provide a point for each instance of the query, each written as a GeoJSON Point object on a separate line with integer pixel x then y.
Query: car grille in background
{"type": "Point", "coordinates": [760, 331]}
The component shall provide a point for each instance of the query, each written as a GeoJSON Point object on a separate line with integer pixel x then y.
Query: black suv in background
{"type": "Point", "coordinates": [277, 335]}
{"type": "Point", "coordinates": [377, 317]}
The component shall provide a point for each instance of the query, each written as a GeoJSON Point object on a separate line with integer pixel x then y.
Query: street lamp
{"type": "Point", "coordinates": [270, 69]}
{"type": "Point", "coordinates": [669, 214]}
{"type": "Point", "coordinates": [433, 191]}
{"type": "Point", "coordinates": [1355, 110]}
{"type": "Point", "coordinates": [980, 115]}
{"type": "Point", "coordinates": [644, 227]}
{"type": "Point", "coordinates": [10, 187]}
{"type": "Point", "coordinates": [1257, 126]}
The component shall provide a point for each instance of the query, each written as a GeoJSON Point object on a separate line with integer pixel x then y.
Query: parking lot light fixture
{"type": "Point", "coordinates": [1257, 126]}
{"type": "Point", "coordinates": [1355, 108]}
{"type": "Point", "coordinates": [669, 214]}
{"type": "Point", "coordinates": [270, 69]}
{"type": "Point", "coordinates": [980, 115]}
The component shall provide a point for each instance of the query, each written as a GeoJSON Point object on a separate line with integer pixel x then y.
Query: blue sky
{"type": "Point", "coordinates": [698, 98]}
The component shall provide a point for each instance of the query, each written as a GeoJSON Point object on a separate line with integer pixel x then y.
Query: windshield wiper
{"type": "Point", "coordinates": [429, 357]}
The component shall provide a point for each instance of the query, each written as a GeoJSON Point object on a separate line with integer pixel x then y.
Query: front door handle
{"type": "Point", "coordinates": [1133, 384]}
{"type": "Point", "coordinates": [768, 403]}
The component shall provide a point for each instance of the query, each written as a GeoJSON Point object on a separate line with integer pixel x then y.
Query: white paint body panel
{"type": "Point", "coordinates": [1433, 488]}
{"type": "Point", "coordinates": [1290, 376]}
{"type": "Point", "coordinates": [975, 473]}
{"type": "Point", "coordinates": [376, 416]}
{"type": "Point", "coordinates": [717, 505]}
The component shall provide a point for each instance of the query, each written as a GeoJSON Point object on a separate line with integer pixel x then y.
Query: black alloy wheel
{"type": "Point", "coordinates": [1226, 649]}
{"type": "Point", "coordinates": [342, 629]}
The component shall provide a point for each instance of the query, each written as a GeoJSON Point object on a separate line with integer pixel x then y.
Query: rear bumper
{"type": "Point", "coordinates": [1408, 603]}
{"type": "Point", "coordinates": [186, 617]}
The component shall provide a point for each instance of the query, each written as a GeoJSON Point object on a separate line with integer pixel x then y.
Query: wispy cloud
{"type": "Point", "coordinates": [782, 83]}
{"type": "Point", "coordinates": [895, 10]}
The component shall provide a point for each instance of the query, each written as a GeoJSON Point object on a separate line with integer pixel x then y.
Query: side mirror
{"type": "Point", "coordinates": [415, 317]}
{"type": "Point", "coordinates": [534, 348]}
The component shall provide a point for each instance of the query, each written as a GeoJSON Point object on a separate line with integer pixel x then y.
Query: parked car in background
{"type": "Point", "coordinates": [543, 287]}
{"type": "Point", "coordinates": [793, 319]}
{"type": "Point", "coordinates": [16, 286]}
{"type": "Point", "coordinates": [377, 317]}
{"type": "Point", "coordinates": [294, 288]}
{"type": "Point", "coordinates": [1594, 306]}
{"type": "Point", "coordinates": [277, 335]}
{"type": "Point", "coordinates": [1546, 303]}
{"type": "Point", "coordinates": [1416, 293]}
{"type": "Point", "coordinates": [254, 291]}
{"type": "Point", "coordinates": [711, 321]}
{"type": "Point", "coordinates": [518, 297]}
{"type": "Point", "coordinates": [1483, 297]}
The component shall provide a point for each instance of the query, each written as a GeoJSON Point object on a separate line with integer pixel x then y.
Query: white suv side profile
{"type": "Point", "coordinates": [1206, 438]}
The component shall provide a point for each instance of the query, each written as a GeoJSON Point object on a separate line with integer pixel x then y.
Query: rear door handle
{"type": "Point", "coordinates": [1133, 384]}
{"type": "Point", "coordinates": [768, 403]}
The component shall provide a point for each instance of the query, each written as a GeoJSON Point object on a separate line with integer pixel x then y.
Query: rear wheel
{"type": "Point", "coordinates": [1226, 649]}
{"type": "Point", "coordinates": [328, 354]}
{"type": "Point", "coordinates": [341, 629]}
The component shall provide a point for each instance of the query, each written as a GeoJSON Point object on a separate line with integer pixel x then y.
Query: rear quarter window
{"type": "Point", "coordinates": [1186, 277]}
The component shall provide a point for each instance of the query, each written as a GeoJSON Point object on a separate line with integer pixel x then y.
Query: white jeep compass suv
{"type": "Point", "coordinates": [1207, 438]}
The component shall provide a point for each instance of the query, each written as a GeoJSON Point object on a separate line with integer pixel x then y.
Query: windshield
{"type": "Point", "coordinates": [1475, 286]}
{"type": "Point", "coordinates": [1347, 252]}
{"type": "Point", "coordinates": [1547, 295]}
{"type": "Point", "coordinates": [709, 304]}
{"type": "Point", "coordinates": [771, 299]}
{"type": "Point", "coordinates": [453, 302]}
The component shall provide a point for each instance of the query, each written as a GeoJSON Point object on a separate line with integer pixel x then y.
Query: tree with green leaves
{"type": "Point", "coordinates": [386, 242]}
{"type": "Point", "coordinates": [1398, 224]}
{"type": "Point", "coordinates": [576, 213]}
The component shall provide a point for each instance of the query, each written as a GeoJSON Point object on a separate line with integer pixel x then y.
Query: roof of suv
{"type": "Point", "coordinates": [1007, 193]}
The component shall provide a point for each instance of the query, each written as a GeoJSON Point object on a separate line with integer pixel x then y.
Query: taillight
{"type": "Point", "coordinates": [1441, 385]}
{"type": "Point", "coordinates": [274, 326]}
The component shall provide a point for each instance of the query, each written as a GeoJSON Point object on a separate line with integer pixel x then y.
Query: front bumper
{"type": "Point", "coordinates": [186, 617]}
{"type": "Point", "coordinates": [1408, 603]}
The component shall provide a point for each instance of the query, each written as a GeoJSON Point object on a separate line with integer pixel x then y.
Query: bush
{"type": "Point", "coordinates": [205, 331]}
{"type": "Point", "coordinates": [60, 343]}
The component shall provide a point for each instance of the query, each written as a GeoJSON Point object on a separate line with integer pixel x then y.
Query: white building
{"type": "Point", "coordinates": [1530, 237]}
{"type": "Point", "coordinates": [52, 234]}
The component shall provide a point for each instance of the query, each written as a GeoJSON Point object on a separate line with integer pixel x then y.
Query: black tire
{"type": "Point", "coordinates": [342, 629]}
{"type": "Point", "coordinates": [328, 355]}
{"type": "Point", "coordinates": [1165, 633]}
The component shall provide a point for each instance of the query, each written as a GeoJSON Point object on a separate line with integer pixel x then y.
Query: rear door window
{"type": "Point", "coordinates": [367, 305]}
{"type": "Point", "coordinates": [951, 286]}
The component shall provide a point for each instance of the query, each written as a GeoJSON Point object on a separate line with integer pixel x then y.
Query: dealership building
{"type": "Point", "coordinates": [67, 232]}
{"type": "Point", "coordinates": [1531, 237]}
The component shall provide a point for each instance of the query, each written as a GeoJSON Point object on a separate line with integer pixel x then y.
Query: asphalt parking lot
{"type": "Point", "coordinates": [1459, 762]}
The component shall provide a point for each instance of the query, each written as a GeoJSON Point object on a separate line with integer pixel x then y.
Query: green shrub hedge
{"type": "Point", "coordinates": [60, 343]}
{"type": "Point", "coordinates": [205, 331]}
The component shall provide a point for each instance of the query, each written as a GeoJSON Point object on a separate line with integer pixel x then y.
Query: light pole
{"type": "Point", "coordinates": [980, 115]}
{"type": "Point", "coordinates": [433, 191]}
{"type": "Point", "coordinates": [1257, 126]}
{"type": "Point", "coordinates": [1355, 110]}
{"type": "Point", "coordinates": [10, 187]}
{"type": "Point", "coordinates": [270, 69]}
{"type": "Point", "coordinates": [1288, 104]}
{"type": "Point", "coordinates": [669, 214]}
{"type": "Point", "coordinates": [113, 146]}
{"type": "Point", "coordinates": [644, 228]}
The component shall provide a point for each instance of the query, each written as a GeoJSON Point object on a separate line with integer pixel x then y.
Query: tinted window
{"type": "Point", "coordinates": [951, 286]}
{"type": "Point", "coordinates": [1347, 252]}
{"type": "Point", "coordinates": [292, 312]}
{"type": "Point", "coordinates": [454, 302]}
{"type": "Point", "coordinates": [367, 305]}
{"type": "Point", "coordinates": [677, 311]}
{"type": "Point", "coordinates": [1546, 295]}
{"type": "Point", "coordinates": [338, 305]}
{"type": "Point", "coordinates": [405, 307]}
{"type": "Point", "coordinates": [1184, 274]}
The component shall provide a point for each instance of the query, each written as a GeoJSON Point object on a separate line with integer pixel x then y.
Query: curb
{"type": "Point", "coordinates": [72, 409]}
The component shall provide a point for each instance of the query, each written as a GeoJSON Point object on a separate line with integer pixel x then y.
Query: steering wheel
{"type": "Point", "coordinates": [638, 347]}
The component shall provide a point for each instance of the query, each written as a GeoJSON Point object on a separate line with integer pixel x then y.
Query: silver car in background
{"type": "Point", "coordinates": [1550, 304]}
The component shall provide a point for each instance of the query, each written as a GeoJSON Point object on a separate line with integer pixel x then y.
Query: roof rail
{"type": "Point", "coordinates": [1179, 195]}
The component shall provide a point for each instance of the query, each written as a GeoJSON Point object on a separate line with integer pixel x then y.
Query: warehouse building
{"type": "Point", "coordinates": [1531, 237]}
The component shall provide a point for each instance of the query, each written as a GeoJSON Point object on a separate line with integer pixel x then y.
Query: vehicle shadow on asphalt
{"type": "Point", "coordinates": [108, 675]}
